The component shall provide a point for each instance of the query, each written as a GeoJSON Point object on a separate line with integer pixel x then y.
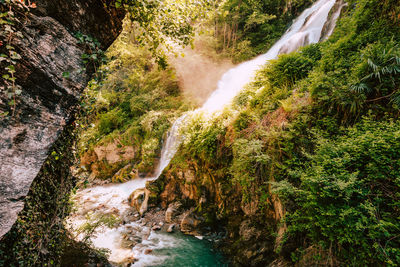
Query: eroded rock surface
{"type": "Point", "coordinates": [48, 49]}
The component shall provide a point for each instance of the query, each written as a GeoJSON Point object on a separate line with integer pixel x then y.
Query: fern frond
{"type": "Point", "coordinates": [361, 88]}
{"type": "Point", "coordinates": [396, 99]}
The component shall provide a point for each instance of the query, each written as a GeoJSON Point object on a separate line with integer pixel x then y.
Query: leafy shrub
{"type": "Point", "coordinates": [110, 121]}
{"type": "Point", "coordinates": [242, 51]}
{"type": "Point", "coordinates": [348, 198]}
{"type": "Point", "coordinates": [249, 162]}
{"type": "Point", "coordinates": [379, 72]}
{"type": "Point", "coordinates": [202, 136]}
{"type": "Point", "coordinates": [242, 121]}
{"type": "Point", "coordinates": [289, 68]}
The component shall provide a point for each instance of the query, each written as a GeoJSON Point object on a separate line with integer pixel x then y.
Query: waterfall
{"type": "Point", "coordinates": [171, 145]}
{"type": "Point", "coordinates": [306, 29]}
{"type": "Point", "coordinates": [112, 199]}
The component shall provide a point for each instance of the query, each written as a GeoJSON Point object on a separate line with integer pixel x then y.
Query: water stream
{"type": "Point", "coordinates": [176, 249]}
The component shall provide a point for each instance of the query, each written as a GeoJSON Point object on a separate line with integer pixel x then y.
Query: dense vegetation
{"type": "Point", "coordinates": [133, 102]}
{"type": "Point", "coordinates": [245, 28]}
{"type": "Point", "coordinates": [316, 133]}
{"type": "Point", "coordinates": [318, 130]}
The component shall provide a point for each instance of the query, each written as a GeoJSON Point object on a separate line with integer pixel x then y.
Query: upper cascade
{"type": "Point", "coordinates": [306, 29]}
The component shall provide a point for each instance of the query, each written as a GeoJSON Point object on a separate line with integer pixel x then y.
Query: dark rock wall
{"type": "Point", "coordinates": [87, 16]}
{"type": "Point", "coordinates": [48, 49]}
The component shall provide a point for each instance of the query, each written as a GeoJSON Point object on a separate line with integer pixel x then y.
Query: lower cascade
{"type": "Point", "coordinates": [104, 214]}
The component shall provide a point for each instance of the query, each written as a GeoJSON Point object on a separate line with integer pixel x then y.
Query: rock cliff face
{"type": "Point", "coordinates": [48, 49]}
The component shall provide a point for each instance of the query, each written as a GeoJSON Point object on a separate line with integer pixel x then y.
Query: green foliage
{"type": "Point", "coordinates": [242, 51]}
{"type": "Point", "coordinates": [245, 28]}
{"type": "Point", "coordinates": [160, 20]}
{"type": "Point", "coordinates": [242, 121]}
{"type": "Point", "coordinates": [95, 220]}
{"type": "Point", "coordinates": [10, 14]}
{"type": "Point", "coordinates": [38, 236]}
{"type": "Point", "coordinates": [249, 163]}
{"type": "Point", "coordinates": [358, 68]}
{"type": "Point", "coordinates": [380, 72]}
{"type": "Point", "coordinates": [94, 56]}
{"type": "Point", "coordinates": [290, 68]}
{"type": "Point", "coordinates": [110, 121]}
{"type": "Point", "coordinates": [202, 136]}
{"type": "Point", "coordinates": [133, 105]}
{"type": "Point", "coordinates": [348, 197]}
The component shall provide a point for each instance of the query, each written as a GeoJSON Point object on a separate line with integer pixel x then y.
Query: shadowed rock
{"type": "Point", "coordinates": [48, 49]}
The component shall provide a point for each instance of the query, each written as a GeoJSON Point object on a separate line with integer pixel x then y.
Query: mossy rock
{"type": "Point", "coordinates": [125, 174]}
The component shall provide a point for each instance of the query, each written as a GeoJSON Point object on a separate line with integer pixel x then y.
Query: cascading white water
{"type": "Point", "coordinates": [171, 145]}
{"type": "Point", "coordinates": [112, 199]}
{"type": "Point", "coordinates": [306, 29]}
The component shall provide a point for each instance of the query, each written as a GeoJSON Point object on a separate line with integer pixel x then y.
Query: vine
{"type": "Point", "coordinates": [9, 55]}
{"type": "Point", "coordinates": [94, 56]}
{"type": "Point", "coordinates": [39, 236]}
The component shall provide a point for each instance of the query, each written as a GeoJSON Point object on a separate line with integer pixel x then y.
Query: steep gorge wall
{"type": "Point", "coordinates": [46, 106]}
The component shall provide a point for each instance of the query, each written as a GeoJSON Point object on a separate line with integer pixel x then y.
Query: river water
{"type": "Point", "coordinates": [103, 205]}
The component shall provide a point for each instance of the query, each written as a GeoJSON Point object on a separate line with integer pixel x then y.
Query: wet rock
{"type": "Point", "coordinates": [131, 260]}
{"type": "Point", "coordinates": [144, 233]}
{"type": "Point", "coordinates": [114, 153]}
{"type": "Point", "coordinates": [189, 176]}
{"type": "Point", "coordinates": [148, 251]}
{"type": "Point", "coordinates": [189, 222]}
{"type": "Point", "coordinates": [247, 231]}
{"type": "Point", "coordinates": [139, 200]}
{"type": "Point", "coordinates": [168, 215]}
{"type": "Point", "coordinates": [334, 14]}
{"type": "Point", "coordinates": [156, 228]}
{"type": "Point", "coordinates": [114, 211]}
{"type": "Point", "coordinates": [130, 217]}
{"type": "Point", "coordinates": [171, 228]}
{"type": "Point", "coordinates": [127, 243]}
{"type": "Point", "coordinates": [250, 208]}
{"type": "Point", "coordinates": [125, 174]}
{"type": "Point", "coordinates": [130, 240]}
{"type": "Point", "coordinates": [136, 239]}
{"type": "Point", "coordinates": [171, 211]}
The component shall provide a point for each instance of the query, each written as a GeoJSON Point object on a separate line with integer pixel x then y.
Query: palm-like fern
{"type": "Point", "coordinates": [387, 64]}
{"type": "Point", "coordinates": [361, 88]}
{"type": "Point", "coordinates": [383, 75]}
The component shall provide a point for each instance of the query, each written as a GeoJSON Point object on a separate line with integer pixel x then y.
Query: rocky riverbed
{"type": "Point", "coordinates": [104, 218]}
